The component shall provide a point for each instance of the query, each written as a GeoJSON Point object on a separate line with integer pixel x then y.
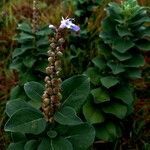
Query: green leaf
{"type": "Point", "coordinates": [17, 92]}
{"type": "Point", "coordinates": [42, 41]}
{"type": "Point", "coordinates": [44, 31]}
{"type": "Point", "coordinates": [75, 91]}
{"type": "Point", "coordinates": [55, 144]}
{"type": "Point", "coordinates": [92, 114]}
{"type": "Point", "coordinates": [121, 56]}
{"type": "Point", "coordinates": [116, 109]}
{"type": "Point", "coordinates": [134, 73]}
{"type": "Point", "coordinates": [136, 61]}
{"type": "Point", "coordinates": [31, 145]}
{"type": "Point", "coordinates": [108, 131]}
{"type": "Point", "coordinates": [99, 62]}
{"type": "Point", "coordinates": [24, 27]}
{"type": "Point", "coordinates": [29, 61]}
{"type": "Point", "coordinates": [41, 66]}
{"type": "Point", "coordinates": [143, 45]}
{"type": "Point", "coordinates": [26, 121]}
{"type": "Point", "coordinates": [15, 105]}
{"type": "Point", "coordinates": [24, 37]}
{"type": "Point", "coordinates": [52, 134]}
{"type": "Point", "coordinates": [122, 45]}
{"type": "Point", "coordinates": [100, 95]}
{"type": "Point", "coordinates": [116, 67]}
{"type": "Point", "coordinates": [16, 146]}
{"type": "Point", "coordinates": [94, 75]}
{"type": "Point", "coordinates": [34, 90]}
{"type": "Point", "coordinates": [123, 31]}
{"type": "Point", "coordinates": [67, 116]}
{"type": "Point", "coordinates": [81, 136]}
{"type": "Point", "coordinates": [125, 94]}
{"type": "Point", "coordinates": [20, 51]}
{"type": "Point", "coordinates": [109, 81]}
{"type": "Point", "coordinates": [17, 137]}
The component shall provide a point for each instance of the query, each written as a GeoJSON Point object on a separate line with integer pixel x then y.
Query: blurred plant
{"type": "Point", "coordinates": [119, 61]}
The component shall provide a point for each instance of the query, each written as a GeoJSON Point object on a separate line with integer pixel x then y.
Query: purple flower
{"type": "Point", "coordinates": [67, 23]}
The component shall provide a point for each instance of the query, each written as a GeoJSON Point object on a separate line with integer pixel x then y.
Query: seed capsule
{"type": "Point", "coordinates": [47, 78]}
{"type": "Point", "coordinates": [59, 54]}
{"type": "Point", "coordinates": [54, 82]}
{"type": "Point", "coordinates": [50, 70]}
{"type": "Point", "coordinates": [58, 64]}
{"type": "Point", "coordinates": [46, 110]}
{"type": "Point", "coordinates": [46, 101]}
{"type": "Point", "coordinates": [50, 59]}
{"type": "Point", "coordinates": [59, 95]}
{"type": "Point", "coordinates": [53, 45]}
{"type": "Point", "coordinates": [54, 99]}
{"type": "Point", "coordinates": [57, 49]}
{"type": "Point", "coordinates": [51, 54]}
{"type": "Point", "coordinates": [56, 90]}
{"type": "Point", "coordinates": [58, 73]}
{"type": "Point", "coordinates": [45, 95]}
{"type": "Point", "coordinates": [49, 91]}
{"type": "Point", "coordinates": [61, 40]}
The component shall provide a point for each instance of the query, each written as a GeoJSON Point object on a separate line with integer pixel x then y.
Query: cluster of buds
{"type": "Point", "coordinates": [35, 16]}
{"type": "Point", "coordinates": [52, 94]}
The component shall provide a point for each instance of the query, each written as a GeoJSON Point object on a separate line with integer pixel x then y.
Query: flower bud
{"type": "Point", "coordinates": [45, 95]}
{"type": "Point", "coordinates": [54, 82]}
{"type": "Point", "coordinates": [46, 110]}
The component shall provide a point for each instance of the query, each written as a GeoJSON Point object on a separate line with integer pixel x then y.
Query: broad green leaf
{"type": "Point", "coordinates": [108, 131]}
{"type": "Point", "coordinates": [94, 75]}
{"type": "Point", "coordinates": [55, 144]}
{"type": "Point", "coordinates": [24, 27]}
{"type": "Point", "coordinates": [31, 145]}
{"type": "Point", "coordinates": [134, 73]}
{"type": "Point", "coordinates": [123, 31]}
{"type": "Point", "coordinates": [81, 136]}
{"type": "Point", "coordinates": [15, 105]}
{"type": "Point", "coordinates": [17, 137]}
{"type": "Point", "coordinates": [67, 116]}
{"type": "Point", "coordinates": [136, 61]}
{"type": "Point", "coordinates": [100, 95]}
{"type": "Point", "coordinates": [75, 91]}
{"type": "Point", "coordinates": [29, 61]}
{"type": "Point", "coordinates": [44, 31]}
{"type": "Point", "coordinates": [26, 121]}
{"type": "Point", "coordinates": [42, 41]}
{"type": "Point", "coordinates": [16, 146]}
{"type": "Point", "coordinates": [52, 133]}
{"type": "Point", "coordinates": [125, 94]}
{"type": "Point", "coordinates": [24, 37]}
{"type": "Point", "coordinates": [121, 56]}
{"type": "Point", "coordinates": [122, 45]}
{"type": "Point", "coordinates": [143, 45]}
{"type": "Point", "coordinates": [34, 90]}
{"type": "Point", "coordinates": [92, 114]}
{"type": "Point", "coordinates": [41, 66]}
{"type": "Point", "coordinates": [109, 81]}
{"type": "Point", "coordinates": [116, 67]}
{"type": "Point", "coordinates": [20, 51]}
{"type": "Point", "coordinates": [99, 62]}
{"type": "Point", "coordinates": [17, 92]}
{"type": "Point", "coordinates": [116, 109]}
